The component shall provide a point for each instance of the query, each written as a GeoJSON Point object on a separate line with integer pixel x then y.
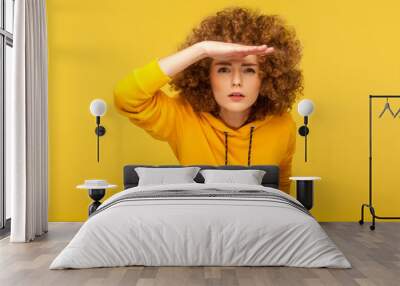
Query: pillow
{"type": "Point", "coordinates": [249, 177]}
{"type": "Point", "coordinates": [162, 176]}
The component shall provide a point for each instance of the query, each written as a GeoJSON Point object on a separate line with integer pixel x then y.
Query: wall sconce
{"type": "Point", "coordinates": [305, 108]}
{"type": "Point", "coordinates": [98, 107]}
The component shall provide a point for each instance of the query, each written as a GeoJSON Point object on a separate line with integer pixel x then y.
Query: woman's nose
{"type": "Point", "coordinates": [236, 78]}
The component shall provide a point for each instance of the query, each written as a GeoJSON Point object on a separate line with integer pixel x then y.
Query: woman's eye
{"type": "Point", "coordinates": [250, 70]}
{"type": "Point", "coordinates": [223, 69]}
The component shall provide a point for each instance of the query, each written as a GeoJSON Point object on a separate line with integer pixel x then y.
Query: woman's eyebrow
{"type": "Point", "coordinates": [229, 64]}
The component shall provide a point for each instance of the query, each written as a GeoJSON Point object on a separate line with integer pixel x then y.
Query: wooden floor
{"type": "Point", "coordinates": [375, 256]}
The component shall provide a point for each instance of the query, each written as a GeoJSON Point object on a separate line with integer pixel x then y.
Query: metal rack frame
{"type": "Point", "coordinates": [370, 206]}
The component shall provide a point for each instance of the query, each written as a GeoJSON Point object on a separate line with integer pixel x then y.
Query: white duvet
{"type": "Point", "coordinates": [200, 231]}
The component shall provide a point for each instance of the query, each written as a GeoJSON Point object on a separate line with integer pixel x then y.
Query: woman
{"type": "Point", "coordinates": [237, 79]}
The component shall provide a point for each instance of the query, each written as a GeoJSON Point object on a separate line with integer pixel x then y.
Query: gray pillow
{"type": "Point", "coordinates": [162, 176]}
{"type": "Point", "coordinates": [248, 177]}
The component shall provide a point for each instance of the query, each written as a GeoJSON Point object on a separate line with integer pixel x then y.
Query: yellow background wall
{"type": "Point", "coordinates": [351, 50]}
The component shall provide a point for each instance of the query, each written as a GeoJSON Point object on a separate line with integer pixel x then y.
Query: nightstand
{"type": "Point", "coordinates": [97, 190]}
{"type": "Point", "coordinates": [305, 190]}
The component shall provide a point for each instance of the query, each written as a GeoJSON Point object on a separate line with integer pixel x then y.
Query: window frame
{"type": "Point", "coordinates": [6, 38]}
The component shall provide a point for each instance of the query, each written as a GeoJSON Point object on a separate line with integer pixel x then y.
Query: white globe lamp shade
{"type": "Point", "coordinates": [98, 107]}
{"type": "Point", "coordinates": [305, 107]}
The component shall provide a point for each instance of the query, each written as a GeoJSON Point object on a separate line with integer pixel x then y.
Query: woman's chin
{"type": "Point", "coordinates": [236, 107]}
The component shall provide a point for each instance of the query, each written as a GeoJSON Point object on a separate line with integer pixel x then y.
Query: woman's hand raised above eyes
{"type": "Point", "coordinates": [177, 62]}
{"type": "Point", "coordinates": [223, 50]}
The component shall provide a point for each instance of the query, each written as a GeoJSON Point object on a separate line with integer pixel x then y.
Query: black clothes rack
{"type": "Point", "coordinates": [370, 206]}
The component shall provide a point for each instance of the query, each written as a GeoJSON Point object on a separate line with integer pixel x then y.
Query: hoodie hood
{"type": "Point", "coordinates": [244, 131]}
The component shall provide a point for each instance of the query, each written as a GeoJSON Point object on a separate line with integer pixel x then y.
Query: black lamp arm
{"type": "Point", "coordinates": [303, 131]}
{"type": "Point", "coordinates": [305, 120]}
{"type": "Point", "coordinates": [100, 131]}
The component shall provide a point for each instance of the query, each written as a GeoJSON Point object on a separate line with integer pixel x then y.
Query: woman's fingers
{"type": "Point", "coordinates": [227, 50]}
{"type": "Point", "coordinates": [269, 50]}
{"type": "Point", "coordinates": [262, 49]}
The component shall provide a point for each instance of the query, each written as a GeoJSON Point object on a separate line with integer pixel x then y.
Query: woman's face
{"type": "Point", "coordinates": [235, 83]}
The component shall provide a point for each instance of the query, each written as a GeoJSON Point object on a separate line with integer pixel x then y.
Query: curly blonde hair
{"type": "Point", "coordinates": [281, 79]}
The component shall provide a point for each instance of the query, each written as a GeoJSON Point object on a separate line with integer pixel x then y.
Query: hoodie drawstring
{"type": "Point", "coordinates": [226, 148]}
{"type": "Point", "coordinates": [249, 153]}
{"type": "Point", "coordinates": [251, 137]}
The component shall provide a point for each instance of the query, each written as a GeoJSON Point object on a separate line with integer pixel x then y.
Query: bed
{"type": "Point", "coordinates": [201, 224]}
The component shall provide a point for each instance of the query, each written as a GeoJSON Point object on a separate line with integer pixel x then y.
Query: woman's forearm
{"type": "Point", "coordinates": [177, 62]}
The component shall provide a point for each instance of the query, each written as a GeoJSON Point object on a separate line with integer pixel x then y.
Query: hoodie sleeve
{"type": "Point", "coordinates": [286, 164]}
{"type": "Point", "coordinates": [138, 97]}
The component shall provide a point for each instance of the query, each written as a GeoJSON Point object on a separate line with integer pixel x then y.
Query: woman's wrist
{"type": "Point", "coordinates": [177, 62]}
{"type": "Point", "coordinates": [202, 51]}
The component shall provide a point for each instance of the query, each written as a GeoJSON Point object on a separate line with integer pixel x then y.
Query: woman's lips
{"type": "Point", "coordinates": [236, 96]}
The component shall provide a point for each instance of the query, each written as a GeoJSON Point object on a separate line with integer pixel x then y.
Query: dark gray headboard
{"type": "Point", "coordinates": [271, 177]}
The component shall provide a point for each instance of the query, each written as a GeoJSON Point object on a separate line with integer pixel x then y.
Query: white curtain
{"type": "Point", "coordinates": [26, 124]}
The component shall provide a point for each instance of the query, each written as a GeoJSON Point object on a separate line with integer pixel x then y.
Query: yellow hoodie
{"type": "Point", "coordinates": [201, 138]}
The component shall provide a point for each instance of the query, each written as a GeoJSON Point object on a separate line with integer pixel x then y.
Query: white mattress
{"type": "Point", "coordinates": [202, 231]}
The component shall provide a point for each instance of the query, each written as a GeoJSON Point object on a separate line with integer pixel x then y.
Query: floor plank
{"type": "Point", "coordinates": [374, 255]}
